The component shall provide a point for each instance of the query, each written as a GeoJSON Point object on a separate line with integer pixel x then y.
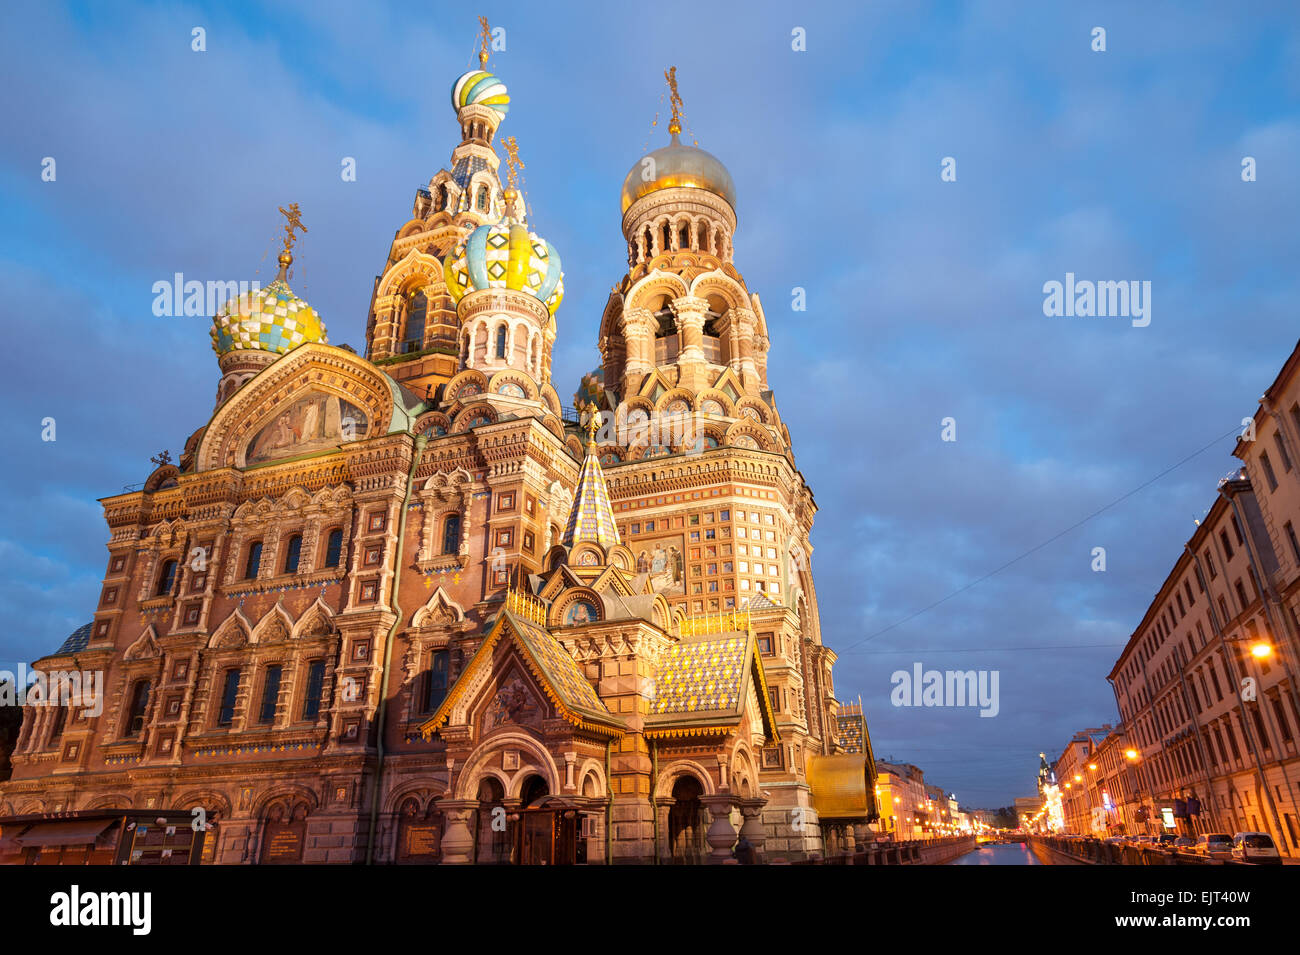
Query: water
{"type": "Point", "coordinates": [1015, 853]}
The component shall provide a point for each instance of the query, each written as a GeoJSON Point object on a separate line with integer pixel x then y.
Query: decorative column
{"type": "Point", "coordinates": [722, 834]}
{"type": "Point", "coordinates": [689, 313]}
{"type": "Point", "coordinates": [638, 330]}
{"type": "Point", "coordinates": [457, 839]}
{"type": "Point", "coordinates": [752, 829]}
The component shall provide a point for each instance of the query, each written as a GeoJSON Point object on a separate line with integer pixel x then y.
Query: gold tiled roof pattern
{"type": "Point", "coordinates": [702, 676]}
{"type": "Point", "coordinates": [561, 669]}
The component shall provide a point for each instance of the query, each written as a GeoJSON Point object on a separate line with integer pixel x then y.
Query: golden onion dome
{"type": "Point", "coordinates": [674, 166]}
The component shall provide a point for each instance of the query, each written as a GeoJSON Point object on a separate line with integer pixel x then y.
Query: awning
{"type": "Point", "coordinates": [65, 832]}
{"type": "Point", "coordinates": [841, 786]}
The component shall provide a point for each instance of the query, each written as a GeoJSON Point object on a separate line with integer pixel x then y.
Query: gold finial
{"type": "Point", "coordinates": [592, 425]}
{"type": "Point", "coordinates": [674, 124]}
{"type": "Point", "coordinates": [294, 222]}
{"type": "Point", "coordinates": [513, 162]}
{"type": "Point", "coordinates": [485, 38]}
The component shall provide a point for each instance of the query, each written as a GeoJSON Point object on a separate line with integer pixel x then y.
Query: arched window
{"type": "Point", "coordinates": [649, 242]}
{"type": "Point", "coordinates": [667, 238]}
{"type": "Point", "coordinates": [334, 548]}
{"type": "Point", "coordinates": [167, 579]}
{"type": "Point", "coordinates": [315, 684]}
{"type": "Point", "coordinates": [270, 694]}
{"type": "Point", "coordinates": [440, 202]}
{"type": "Point", "coordinates": [254, 562]}
{"type": "Point", "coordinates": [482, 202]}
{"type": "Point", "coordinates": [501, 342]}
{"type": "Point", "coordinates": [135, 713]}
{"type": "Point", "coordinates": [451, 535]}
{"type": "Point", "coordinates": [293, 554]}
{"type": "Point", "coordinates": [416, 309]}
{"type": "Point", "coordinates": [684, 237]}
{"type": "Point", "coordinates": [437, 691]}
{"type": "Point", "coordinates": [229, 694]}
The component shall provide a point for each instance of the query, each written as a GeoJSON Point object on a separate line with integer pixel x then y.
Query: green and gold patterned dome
{"type": "Point", "coordinates": [271, 319]}
{"type": "Point", "coordinates": [505, 255]}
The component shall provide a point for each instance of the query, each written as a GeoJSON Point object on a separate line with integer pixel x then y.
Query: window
{"type": "Point", "coordinates": [270, 694]}
{"type": "Point", "coordinates": [482, 201]}
{"type": "Point", "coordinates": [254, 562]}
{"type": "Point", "coordinates": [1295, 544]}
{"type": "Point", "coordinates": [1241, 594]}
{"type": "Point", "coordinates": [438, 665]}
{"type": "Point", "coordinates": [135, 712]}
{"type": "Point", "coordinates": [293, 555]}
{"type": "Point", "coordinates": [61, 720]}
{"type": "Point", "coordinates": [416, 308]}
{"type": "Point", "coordinates": [229, 693]}
{"type": "Point", "coordinates": [1236, 528]}
{"type": "Point", "coordinates": [451, 535]}
{"type": "Point", "coordinates": [1267, 465]}
{"type": "Point", "coordinates": [167, 579]}
{"type": "Point", "coordinates": [334, 548]}
{"type": "Point", "coordinates": [315, 684]}
{"type": "Point", "coordinates": [1209, 562]}
{"type": "Point", "coordinates": [501, 342]}
{"type": "Point", "coordinates": [1281, 451]}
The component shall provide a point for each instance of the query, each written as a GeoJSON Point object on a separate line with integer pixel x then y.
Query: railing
{"type": "Point", "coordinates": [526, 606]}
{"type": "Point", "coordinates": [725, 621]}
{"type": "Point", "coordinates": [1089, 851]}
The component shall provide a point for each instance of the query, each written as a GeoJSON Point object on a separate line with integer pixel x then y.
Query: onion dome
{"type": "Point", "coordinates": [480, 88]}
{"type": "Point", "coordinates": [677, 165]}
{"type": "Point", "coordinates": [271, 319]}
{"type": "Point", "coordinates": [505, 255]}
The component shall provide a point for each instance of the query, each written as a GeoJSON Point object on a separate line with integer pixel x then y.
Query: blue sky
{"type": "Point", "coordinates": [924, 297]}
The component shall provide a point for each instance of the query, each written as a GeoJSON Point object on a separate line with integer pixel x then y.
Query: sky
{"type": "Point", "coordinates": [924, 297]}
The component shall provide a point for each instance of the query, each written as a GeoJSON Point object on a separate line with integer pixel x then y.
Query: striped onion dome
{"type": "Point", "coordinates": [480, 88]}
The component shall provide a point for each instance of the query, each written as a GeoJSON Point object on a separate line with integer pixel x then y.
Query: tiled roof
{"type": "Point", "coordinates": [77, 640]}
{"type": "Point", "coordinates": [703, 676]}
{"type": "Point", "coordinates": [591, 518]}
{"type": "Point", "coordinates": [560, 668]}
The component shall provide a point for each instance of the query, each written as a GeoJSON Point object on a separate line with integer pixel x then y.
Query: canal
{"type": "Point", "coordinates": [1015, 853]}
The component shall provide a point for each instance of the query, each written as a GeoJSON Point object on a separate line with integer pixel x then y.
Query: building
{"type": "Point", "coordinates": [1206, 686]}
{"type": "Point", "coordinates": [901, 796]}
{"type": "Point", "coordinates": [410, 607]}
{"type": "Point", "coordinates": [1077, 773]}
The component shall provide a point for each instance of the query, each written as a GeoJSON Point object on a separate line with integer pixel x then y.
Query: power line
{"type": "Point", "coordinates": [1033, 550]}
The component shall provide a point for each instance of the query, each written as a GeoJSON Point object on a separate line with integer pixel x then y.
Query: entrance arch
{"type": "Point", "coordinates": [687, 824]}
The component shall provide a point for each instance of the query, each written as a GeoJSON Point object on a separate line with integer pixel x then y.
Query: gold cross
{"type": "Point", "coordinates": [484, 35]}
{"type": "Point", "coordinates": [295, 222]}
{"type": "Point", "coordinates": [513, 162]}
{"type": "Point", "coordinates": [674, 124]}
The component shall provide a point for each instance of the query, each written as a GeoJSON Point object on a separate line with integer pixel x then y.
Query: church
{"type": "Point", "coordinates": [410, 607]}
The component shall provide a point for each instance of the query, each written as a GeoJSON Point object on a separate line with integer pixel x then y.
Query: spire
{"type": "Point", "coordinates": [592, 517]}
{"type": "Point", "coordinates": [294, 221]}
{"type": "Point", "coordinates": [675, 98]}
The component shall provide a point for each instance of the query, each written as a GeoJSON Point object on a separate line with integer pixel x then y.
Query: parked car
{"type": "Point", "coordinates": [1184, 842]}
{"type": "Point", "coordinates": [1166, 839]}
{"type": "Point", "coordinates": [1255, 847]}
{"type": "Point", "coordinates": [1214, 845]}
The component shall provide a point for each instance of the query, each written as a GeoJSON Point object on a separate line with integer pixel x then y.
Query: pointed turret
{"type": "Point", "coordinates": [591, 517]}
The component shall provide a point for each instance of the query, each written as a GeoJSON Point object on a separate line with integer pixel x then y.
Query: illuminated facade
{"type": "Point", "coordinates": [409, 607]}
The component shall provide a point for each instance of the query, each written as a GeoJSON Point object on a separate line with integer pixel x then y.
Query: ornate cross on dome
{"type": "Point", "coordinates": [674, 124]}
{"type": "Point", "coordinates": [513, 162]}
{"type": "Point", "coordinates": [294, 222]}
{"type": "Point", "coordinates": [484, 39]}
